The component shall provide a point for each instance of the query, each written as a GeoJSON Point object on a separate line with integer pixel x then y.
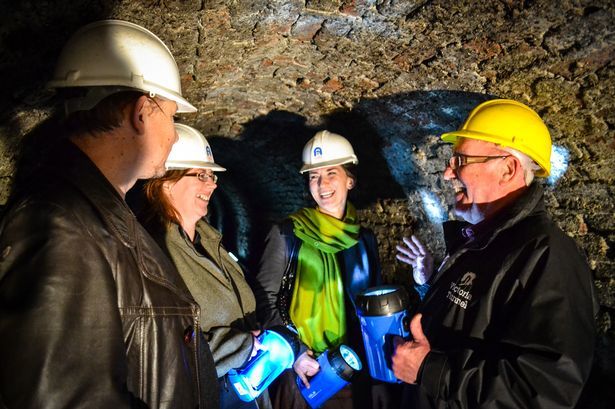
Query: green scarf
{"type": "Point", "coordinates": [317, 306]}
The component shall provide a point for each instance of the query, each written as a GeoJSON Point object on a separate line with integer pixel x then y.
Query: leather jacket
{"type": "Point", "coordinates": [92, 313]}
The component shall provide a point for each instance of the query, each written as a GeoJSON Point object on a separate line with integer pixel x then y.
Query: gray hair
{"type": "Point", "coordinates": [527, 164]}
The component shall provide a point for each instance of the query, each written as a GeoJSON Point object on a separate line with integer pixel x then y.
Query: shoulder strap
{"type": "Point", "coordinates": [288, 278]}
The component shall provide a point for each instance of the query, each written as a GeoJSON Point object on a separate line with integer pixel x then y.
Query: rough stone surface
{"type": "Point", "coordinates": [390, 75]}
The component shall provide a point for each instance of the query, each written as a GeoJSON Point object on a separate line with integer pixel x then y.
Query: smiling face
{"type": "Point", "coordinates": [480, 188]}
{"type": "Point", "coordinates": [329, 188]}
{"type": "Point", "coordinates": [190, 196]}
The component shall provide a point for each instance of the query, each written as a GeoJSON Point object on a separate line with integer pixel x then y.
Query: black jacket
{"type": "Point", "coordinates": [274, 288]}
{"type": "Point", "coordinates": [92, 314]}
{"type": "Point", "coordinates": [509, 316]}
{"type": "Point", "coordinates": [275, 279]}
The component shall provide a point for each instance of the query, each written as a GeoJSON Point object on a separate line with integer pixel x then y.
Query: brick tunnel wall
{"type": "Point", "coordinates": [389, 75]}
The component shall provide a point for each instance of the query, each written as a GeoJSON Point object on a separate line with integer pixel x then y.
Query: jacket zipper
{"type": "Point", "coordinates": [197, 348]}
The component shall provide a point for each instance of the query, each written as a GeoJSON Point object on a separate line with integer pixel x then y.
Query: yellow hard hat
{"type": "Point", "coordinates": [508, 123]}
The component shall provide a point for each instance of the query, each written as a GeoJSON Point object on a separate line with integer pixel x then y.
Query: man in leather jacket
{"type": "Point", "coordinates": [508, 319]}
{"type": "Point", "coordinates": [92, 313]}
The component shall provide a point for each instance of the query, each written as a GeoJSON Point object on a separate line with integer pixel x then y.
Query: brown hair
{"type": "Point", "coordinates": [159, 209]}
{"type": "Point", "coordinates": [351, 172]}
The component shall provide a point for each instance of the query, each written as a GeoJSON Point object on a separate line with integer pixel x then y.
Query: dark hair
{"type": "Point", "coordinates": [105, 116]}
{"type": "Point", "coordinates": [351, 171]}
{"type": "Point", "coordinates": [158, 209]}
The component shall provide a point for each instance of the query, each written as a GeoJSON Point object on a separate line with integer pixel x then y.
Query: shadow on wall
{"type": "Point", "coordinates": [409, 126]}
{"type": "Point", "coordinates": [401, 157]}
{"type": "Point", "coordinates": [263, 173]}
{"type": "Point", "coordinates": [396, 141]}
{"type": "Point", "coordinates": [262, 183]}
{"type": "Point", "coordinates": [34, 150]}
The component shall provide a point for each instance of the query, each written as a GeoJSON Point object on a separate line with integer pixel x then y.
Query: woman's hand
{"type": "Point", "coordinates": [256, 344]}
{"type": "Point", "coordinates": [412, 252]}
{"type": "Point", "coordinates": [306, 366]}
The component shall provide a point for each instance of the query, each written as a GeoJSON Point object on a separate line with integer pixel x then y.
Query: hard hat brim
{"type": "Point", "coordinates": [183, 106]}
{"type": "Point", "coordinates": [334, 162]}
{"type": "Point", "coordinates": [194, 165]}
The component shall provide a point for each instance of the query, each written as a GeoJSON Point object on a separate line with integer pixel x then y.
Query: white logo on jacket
{"type": "Point", "coordinates": [459, 293]}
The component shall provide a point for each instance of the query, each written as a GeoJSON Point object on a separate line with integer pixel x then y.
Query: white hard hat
{"type": "Point", "coordinates": [115, 55]}
{"type": "Point", "coordinates": [191, 151]}
{"type": "Point", "coordinates": [327, 149]}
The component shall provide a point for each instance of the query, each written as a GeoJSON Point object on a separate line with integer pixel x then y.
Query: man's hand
{"type": "Point", "coordinates": [306, 366]}
{"type": "Point", "coordinates": [408, 356]}
{"type": "Point", "coordinates": [414, 253]}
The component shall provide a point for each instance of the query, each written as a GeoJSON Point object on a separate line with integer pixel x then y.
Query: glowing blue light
{"type": "Point", "coordinates": [254, 377]}
{"type": "Point", "coordinates": [380, 292]}
{"type": "Point", "coordinates": [560, 158]}
{"type": "Point", "coordinates": [331, 378]}
{"type": "Point", "coordinates": [351, 358]}
{"type": "Point", "coordinates": [448, 111]}
{"type": "Point", "coordinates": [431, 205]}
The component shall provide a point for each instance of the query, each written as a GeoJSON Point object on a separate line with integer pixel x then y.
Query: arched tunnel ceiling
{"type": "Point", "coordinates": [390, 75]}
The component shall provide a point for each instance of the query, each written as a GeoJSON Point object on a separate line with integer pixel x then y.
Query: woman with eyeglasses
{"type": "Point", "coordinates": [314, 264]}
{"type": "Point", "coordinates": [176, 206]}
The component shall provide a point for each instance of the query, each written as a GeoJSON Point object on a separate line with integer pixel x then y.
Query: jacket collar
{"type": "Point", "coordinates": [458, 233]}
{"type": "Point", "coordinates": [207, 232]}
{"type": "Point", "coordinates": [461, 237]}
{"type": "Point", "coordinates": [74, 166]}
{"type": "Point", "coordinates": [71, 166]}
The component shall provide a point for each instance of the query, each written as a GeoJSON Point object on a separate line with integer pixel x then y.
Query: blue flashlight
{"type": "Point", "coordinates": [383, 314]}
{"type": "Point", "coordinates": [336, 369]}
{"type": "Point", "coordinates": [279, 347]}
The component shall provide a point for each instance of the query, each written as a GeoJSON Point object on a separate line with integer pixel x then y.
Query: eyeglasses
{"type": "Point", "coordinates": [204, 176]}
{"type": "Point", "coordinates": [458, 160]}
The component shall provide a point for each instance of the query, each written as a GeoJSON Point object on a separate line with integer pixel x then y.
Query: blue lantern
{"type": "Point", "coordinates": [277, 353]}
{"type": "Point", "coordinates": [383, 314]}
{"type": "Point", "coordinates": [336, 368]}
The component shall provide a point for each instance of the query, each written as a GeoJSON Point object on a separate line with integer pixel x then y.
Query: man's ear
{"type": "Point", "coordinates": [351, 183]}
{"type": "Point", "coordinates": [138, 113]}
{"type": "Point", "coordinates": [510, 169]}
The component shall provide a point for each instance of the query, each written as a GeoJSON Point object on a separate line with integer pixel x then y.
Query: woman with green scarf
{"type": "Point", "coordinates": [314, 264]}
